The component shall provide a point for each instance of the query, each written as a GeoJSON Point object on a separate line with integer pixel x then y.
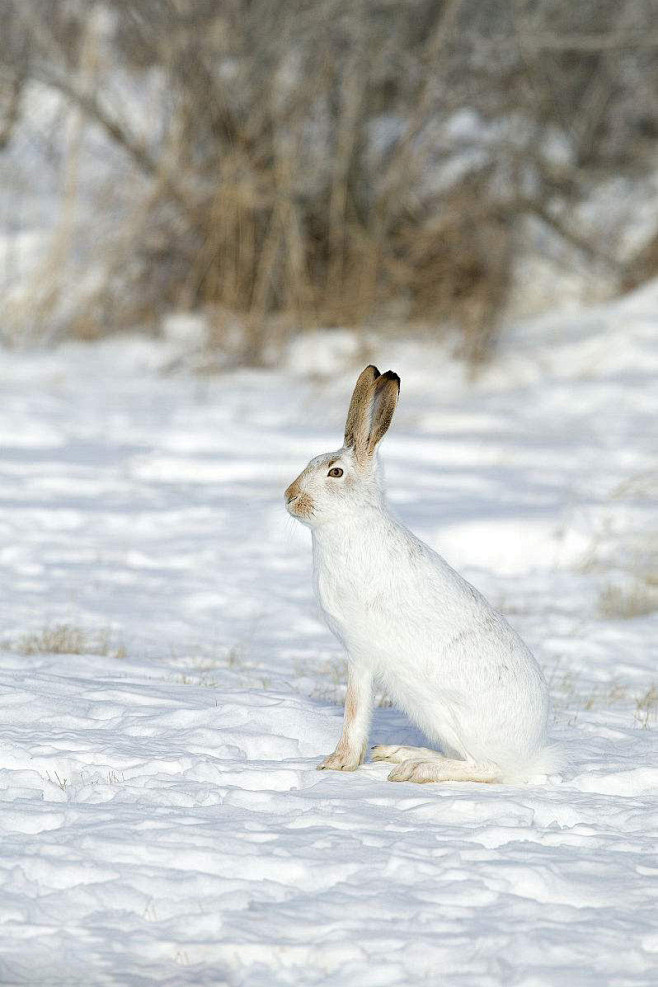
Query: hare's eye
{"type": "Point", "coordinates": [336, 471]}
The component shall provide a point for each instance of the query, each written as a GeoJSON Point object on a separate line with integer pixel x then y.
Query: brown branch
{"type": "Point", "coordinates": [569, 235]}
{"type": "Point", "coordinates": [614, 41]}
{"type": "Point", "coordinates": [121, 136]}
{"type": "Point", "coordinates": [12, 110]}
{"type": "Point", "coordinates": [45, 42]}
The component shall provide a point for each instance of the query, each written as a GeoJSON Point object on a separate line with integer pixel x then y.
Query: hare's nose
{"type": "Point", "coordinates": [291, 492]}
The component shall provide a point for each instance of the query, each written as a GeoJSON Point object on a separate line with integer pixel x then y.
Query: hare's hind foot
{"type": "Point", "coordinates": [396, 755]}
{"type": "Point", "coordinates": [422, 771]}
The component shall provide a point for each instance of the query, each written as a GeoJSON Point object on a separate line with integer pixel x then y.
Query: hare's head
{"type": "Point", "coordinates": [342, 484]}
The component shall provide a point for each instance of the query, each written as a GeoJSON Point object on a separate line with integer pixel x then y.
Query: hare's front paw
{"type": "Point", "coordinates": [341, 761]}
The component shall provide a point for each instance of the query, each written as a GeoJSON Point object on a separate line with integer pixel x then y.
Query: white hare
{"type": "Point", "coordinates": [413, 625]}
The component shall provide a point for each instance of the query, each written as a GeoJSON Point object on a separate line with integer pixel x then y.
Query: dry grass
{"type": "Point", "coordinates": [571, 698]}
{"type": "Point", "coordinates": [332, 684]}
{"type": "Point", "coordinates": [646, 711]}
{"type": "Point", "coordinates": [626, 602]}
{"type": "Point", "coordinates": [67, 639]}
{"type": "Point", "coordinates": [62, 783]}
{"type": "Point", "coordinates": [624, 547]}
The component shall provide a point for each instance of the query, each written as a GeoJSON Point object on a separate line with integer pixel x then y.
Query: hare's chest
{"type": "Point", "coordinates": [352, 590]}
{"type": "Point", "coordinates": [351, 609]}
{"type": "Point", "coordinates": [341, 599]}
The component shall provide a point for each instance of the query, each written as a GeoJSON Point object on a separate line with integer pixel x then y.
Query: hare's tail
{"type": "Point", "coordinates": [548, 760]}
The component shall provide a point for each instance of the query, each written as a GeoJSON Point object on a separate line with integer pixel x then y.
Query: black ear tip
{"type": "Point", "coordinates": [391, 375]}
{"type": "Point", "coordinates": [374, 369]}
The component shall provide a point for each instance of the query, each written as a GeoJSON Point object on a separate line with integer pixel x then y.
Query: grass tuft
{"type": "Point", "coordinates": [624, 603]}
{"type": "Point", "coordinates": [647, 707]}
{"type": "Point", "coordinates": [67, 639]}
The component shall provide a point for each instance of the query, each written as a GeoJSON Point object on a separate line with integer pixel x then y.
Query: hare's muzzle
{"type": "Point", "coordinates": [299, 504]}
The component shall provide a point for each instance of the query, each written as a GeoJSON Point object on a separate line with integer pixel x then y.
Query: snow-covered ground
{"type": "Point", "coordinates": [162, 819]}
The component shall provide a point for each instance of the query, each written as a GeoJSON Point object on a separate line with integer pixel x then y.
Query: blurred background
{"type": "Point", "coordinates": [409, 166]}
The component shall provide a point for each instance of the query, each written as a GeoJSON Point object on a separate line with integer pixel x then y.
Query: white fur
{"type": "Point", "coordinates": [409, 622]}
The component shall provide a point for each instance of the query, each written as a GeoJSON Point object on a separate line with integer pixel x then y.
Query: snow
{"type": "Point", "coordinates": [162, 819]}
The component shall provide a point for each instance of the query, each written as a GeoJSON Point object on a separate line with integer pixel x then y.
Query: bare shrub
{"type": "Point", "coordinates": [313, 163]}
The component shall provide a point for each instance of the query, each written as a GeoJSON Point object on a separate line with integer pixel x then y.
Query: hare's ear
{"type": "Point", "coordinates": [359, 416]}
{"type": "Point", "coordinates": [387, 390]}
